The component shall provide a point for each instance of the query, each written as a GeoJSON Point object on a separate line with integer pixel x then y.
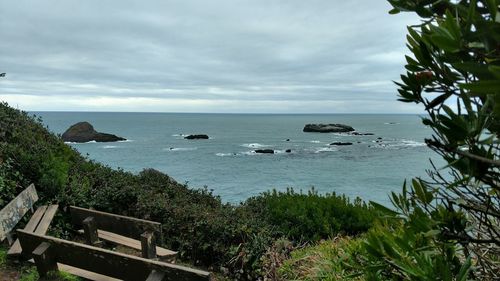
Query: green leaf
{"type": "Point", "coordinates": [464, 270]}
{"type": "Point", "coordinates": [394, 11]}
{"type": "Point", "coordinates": [383, 209]}
{"type": "Point", "coordinates": [483, 87]}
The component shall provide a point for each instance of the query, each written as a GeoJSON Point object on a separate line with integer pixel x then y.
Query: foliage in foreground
{"type": "Point", "coordinates": [335, 259]}
{"type": "Point", "coordinates": [311, 216]}
{"type": "Point", "coordinates": [448, 228]}
{"type": "Point", "coordinates": [205, 232]}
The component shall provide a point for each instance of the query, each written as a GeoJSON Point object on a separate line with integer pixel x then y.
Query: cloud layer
{"type": "Point", "coordinates": [202, 56]}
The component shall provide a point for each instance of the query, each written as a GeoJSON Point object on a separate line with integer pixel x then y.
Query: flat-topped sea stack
{"type": "Point", "coordinates": [196, 137]}
{"type": "Point", "coordinates": [84, 132]}
{"type": "Point", "coordinates": [328, 128]}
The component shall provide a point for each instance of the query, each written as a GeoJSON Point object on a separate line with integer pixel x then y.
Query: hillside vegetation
{"type": "Point", "coordinates": [206, 232]}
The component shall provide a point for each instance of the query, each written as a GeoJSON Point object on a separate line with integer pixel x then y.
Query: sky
{"type": "Point", "coordinates": [224, 56]}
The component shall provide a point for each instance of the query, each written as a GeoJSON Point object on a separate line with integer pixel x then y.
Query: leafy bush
{"type": "Point", "coordinates": [448, 228]}
{"type": "Point", "coordinates": [313, 216]}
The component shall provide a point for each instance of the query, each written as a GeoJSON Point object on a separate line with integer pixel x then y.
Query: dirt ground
{"type": "Point", "coordinates": [9, 274]}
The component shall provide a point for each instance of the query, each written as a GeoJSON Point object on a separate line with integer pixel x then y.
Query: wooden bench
{"type": "Point", "coordinates": [39, 224]}
{"type": "Point", "coordinates": [13, 212]}
{"type": "Point", "coordinates": [130, 232]}
{"type": "Point", "coordinates": [49, 253]}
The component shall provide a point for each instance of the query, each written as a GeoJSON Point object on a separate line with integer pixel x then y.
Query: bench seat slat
{"type": "Point", "coordinates": [129, 242]}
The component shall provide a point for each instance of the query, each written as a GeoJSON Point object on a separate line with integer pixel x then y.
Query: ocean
{"type": "Point", "coordinates": [226, 164]}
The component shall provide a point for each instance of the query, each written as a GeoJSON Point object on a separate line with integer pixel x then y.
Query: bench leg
{"type": "Point", "coordinates": [90, 231]}
{"type": "Point", "coordinates": [148, 245]}
{"type": "Point", "coordinates": [44, 261]}
{"type": "Point", "coordinates": [156, 276]}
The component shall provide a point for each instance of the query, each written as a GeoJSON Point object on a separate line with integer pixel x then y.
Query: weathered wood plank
{"type": "Point", "coordinates": [131, 243]}
{"type": "Point", "coordinates": [30, 226]}
{"type": "Point", "coordinates": [148, 245]}
{"type": "Point", "coordinates": [44, 259]}
{"type": "Point", "coordinates": [11, 214]}
{"type": "Point", "coordinates": [122, 225]}
{"type": "Point", "coordinates": [106, 262]}
{"type": "Point", "coordinates": [156, 276]}
{"type": "Point", "coordinates": [90, 231]}
{"type": "Point", "coordinates": [85, 273]}
{"type": "Point", "coordinates": [44, 224]}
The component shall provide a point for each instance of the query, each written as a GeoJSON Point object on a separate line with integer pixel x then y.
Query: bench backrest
{"type": "Point", "coordinates": [106, 262]}
{"type": "Point", "coordinates": [122, 225]}
{"type": "Point", "coordinates": [11, 214]}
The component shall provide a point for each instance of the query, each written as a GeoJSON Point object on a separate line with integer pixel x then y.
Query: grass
{"type": "Point", "coordinates": [333, 259]}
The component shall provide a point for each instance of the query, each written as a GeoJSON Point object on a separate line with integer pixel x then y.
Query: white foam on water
{"type": "Point", "coordinates": [109, 146]}
{"type": "Point", "coordinates": [225, 154]}
{"type": "Point", "coordinates": [126, 141]}
{"type": "Point", "coordinates": [315, 141]}
{"type": "Point", "coordinates": [254, 145]}
{"type": "Point", "coordinates": [326, 149]}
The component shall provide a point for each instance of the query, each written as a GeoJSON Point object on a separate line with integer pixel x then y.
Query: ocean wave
{"type": "Point", "coordinates": [180, 148]}
{"type": "Point", "coordinates": [391, 123]}
{"type": "Point", "coordinates": [179, 135]}
{"type": "Point", "coordinates": [74, 142]}
{"type": "Point", "coordinates": [325, 149]}
{"type": "Point", "coordinates": [254, 145]}
{"type": "Point", "coordinates": [397, 144]}
{"type": "Point", "coordinates": [109, 146]}
{"type": "Point", "coordinates": [226, 154]}
{"type": "Point", "coordinates": [126, 141]}
{"type": "Point", "coordinates": [315, 141]}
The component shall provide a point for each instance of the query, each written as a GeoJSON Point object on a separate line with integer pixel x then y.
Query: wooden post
{"type": "Point", "coordinates": [44, 261]}
{"type": "Point", "coordinates": [148, 245]}
{"type": "Point", "coordinates": [10, 240]}
{"type": "Point", "coordinates": [156, 276]}
{"type": "Point", "coordinates": [90, 231]}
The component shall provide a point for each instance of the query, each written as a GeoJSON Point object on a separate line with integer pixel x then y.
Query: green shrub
{"type": "Point", "coordinates": [312, 216]}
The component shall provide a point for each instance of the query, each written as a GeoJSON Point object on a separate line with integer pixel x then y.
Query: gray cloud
{"type": "Point", "coordinates": [204, 56]}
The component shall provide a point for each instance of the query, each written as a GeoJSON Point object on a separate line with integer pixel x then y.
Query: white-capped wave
{"type": "Point", "coordinates": [126, 140]}
{"type": "Point", "coordinates": [397, 144]}
{"type": "Point", "coordinates": [109, 146]}
{"type": "Point", "coordinates": [315, 141]}
{"type": "Point", "coordinates": [226, 154]}
{"type": "Point", "coordinates": [325, 149]}
{"type": "Point", "coordinates": [254, 145]}
{"type": "Point", "coordinates": [74, 142]}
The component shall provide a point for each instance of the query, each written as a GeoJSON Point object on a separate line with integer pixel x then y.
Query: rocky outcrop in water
{"type": "Point", "coordinates": [84, 132]}
{"type": "Point", "coordinates": [327, 128]}
{"type": "Point", "coordinates": [264, 151]}
{"type": "Point", "coordinates": [196, 137]}
{"type": "Point", "coordinates": [341, 143]}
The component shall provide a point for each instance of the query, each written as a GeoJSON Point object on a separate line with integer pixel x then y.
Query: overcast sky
{"type": "Point", "coordinates": [287, 56]}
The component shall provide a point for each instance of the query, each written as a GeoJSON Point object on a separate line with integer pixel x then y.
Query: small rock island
{"type": "Point", "coordinates": [197, 137]}
{"type": "Point", "coordinates": [84, 132]}
{"type": "Point", "coordinates": [327, 128]}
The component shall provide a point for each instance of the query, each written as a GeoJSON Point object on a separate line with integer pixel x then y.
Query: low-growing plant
{"type": "Point", "coordinates": [312, 216]}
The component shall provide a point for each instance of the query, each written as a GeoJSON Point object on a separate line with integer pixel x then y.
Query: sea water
{"type": "Point", "coordinates": [226, 163]}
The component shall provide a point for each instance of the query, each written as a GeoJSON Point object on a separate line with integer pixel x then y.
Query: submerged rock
{"type": "Point", "coordinates": [341, 143]}
{"type": "Point", "coordinates": [361, 134]}
{"type": "Point", "coordinates": [327, 128]}
{"type": "Point", "coordinates": [265, 151]}
{"type": "Point", "coordinates": [84, 132]}
{"type": "Point", "coordinates": [196, 137]}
